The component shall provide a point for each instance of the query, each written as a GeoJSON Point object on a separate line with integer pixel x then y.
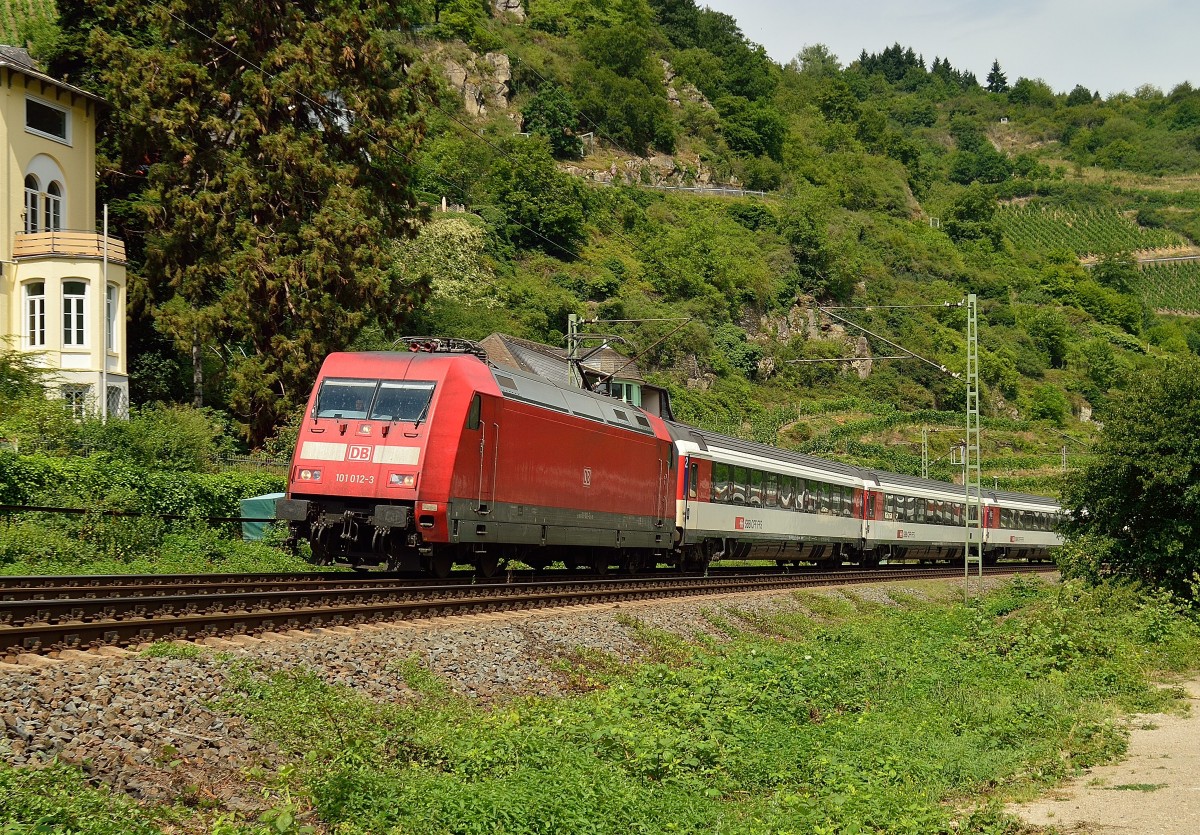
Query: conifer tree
{"type": "Point", "coordinates": [272, 142]}
{"type": "Point", "coordinates": [997, 82]}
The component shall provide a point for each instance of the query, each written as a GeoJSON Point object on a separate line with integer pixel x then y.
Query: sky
{"type": "Point", "coordinates": [1106, 45]}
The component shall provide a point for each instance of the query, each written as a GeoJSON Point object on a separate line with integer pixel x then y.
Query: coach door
{"type": "Point", "coordinates": [691, 476]}
{"type": "Point", "coordinates": [489, 452]}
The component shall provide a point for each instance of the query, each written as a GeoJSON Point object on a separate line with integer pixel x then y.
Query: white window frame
{"type": "Point", "coordinates": [115, 401]}
{"type": "Point", "coordinates": [65, 139]}
{"type": "Point", "coordinates": [53, 204]}
{"type": "Point", "coordinates": [76, 396]}
{"type": "Point", "coordinates": [74, 314]}
{"type": "Point", "coordinates": [112, 298]}
{"type": "Point", "coordinates": [33, 204]}
{"type": "Point", "coordinates": [34, 315]}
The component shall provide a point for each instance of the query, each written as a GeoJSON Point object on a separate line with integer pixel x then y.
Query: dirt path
{"type": "Point", "coordinates": [1154, 791]}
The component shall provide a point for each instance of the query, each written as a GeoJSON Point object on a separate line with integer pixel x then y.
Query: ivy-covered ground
{"type": "Point", "coordinates": [846, 715]}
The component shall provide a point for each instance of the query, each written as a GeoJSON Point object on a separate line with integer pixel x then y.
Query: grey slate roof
{"type": "Point", "coordinates": [551, 363]}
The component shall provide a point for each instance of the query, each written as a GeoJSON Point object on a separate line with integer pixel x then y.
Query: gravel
{"type": "Point", "coordinates": [148, 726]}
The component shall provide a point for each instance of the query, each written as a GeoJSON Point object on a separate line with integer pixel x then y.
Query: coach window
{"type": "Point", "coordinates": [473, 412]}
{"type": "Point", "coordinates": [720, 482]}
{"type": "Point", "coordinates": [770, 490]}
{"type": "Point", "coordinates": [787, 492]}
{"type": "Point", "coordinates": [756, 488]}
{"type": "Point", "coordinates": [693, 477]}
{"type": "Point", "coordinates": [848, 504]}
{"type": "Point", "coordinates": [740, 483]}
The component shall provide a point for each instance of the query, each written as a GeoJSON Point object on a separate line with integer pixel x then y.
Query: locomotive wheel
{"type": "Point", "coordinates": [488, 565]}
{"type": "Point", "coordinates": [440, 564]}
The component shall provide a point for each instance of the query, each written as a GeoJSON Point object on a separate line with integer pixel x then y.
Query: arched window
{"type": "Point", "coordinates": [32, 192]}
{"type": "Point", "coordinates": [74, 318]}
{"type": "Point", "coordinates": [53, 207]}
{"type": "Point", "coordinates": [35, 314]}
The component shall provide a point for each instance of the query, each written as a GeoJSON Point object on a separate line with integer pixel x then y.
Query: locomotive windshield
{"type": "Point", "coordinates": [402, 401]}
{"type": "Point", "coordinates": [398, 400]}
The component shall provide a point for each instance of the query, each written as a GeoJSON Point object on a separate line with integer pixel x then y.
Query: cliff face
{"type": "Point", "coordinates": [482, 80]}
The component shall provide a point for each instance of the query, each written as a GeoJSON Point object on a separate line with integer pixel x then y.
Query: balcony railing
{"type": "Point", "coordinates": [68, 243]}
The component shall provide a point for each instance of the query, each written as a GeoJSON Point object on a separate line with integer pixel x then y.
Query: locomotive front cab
{"type": "Point", "coordinates": [358, 490]}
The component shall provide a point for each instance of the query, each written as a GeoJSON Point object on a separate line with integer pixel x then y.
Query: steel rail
{"type": "Point", "coordinates": [48, 626]}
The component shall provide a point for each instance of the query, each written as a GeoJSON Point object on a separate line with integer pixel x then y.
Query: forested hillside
{"type": "Point", "coordinates": [279, 178]}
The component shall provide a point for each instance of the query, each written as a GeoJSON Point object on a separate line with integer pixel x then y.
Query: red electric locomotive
{"type": "Point", "coordinates": [425, 459]}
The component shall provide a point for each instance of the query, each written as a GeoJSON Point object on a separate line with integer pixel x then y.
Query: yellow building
{"type": "Point", "coordinates": [62, 285]}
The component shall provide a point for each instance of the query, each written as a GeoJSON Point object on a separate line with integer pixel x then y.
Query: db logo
{"type": "Point", "coordinates": [360, 453]}
{"type": "Point", "coordinates": [587, 476]}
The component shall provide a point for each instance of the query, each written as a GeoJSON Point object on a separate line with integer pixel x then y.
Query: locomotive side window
{"type": "Point", "coordinates": [473, 412]}
{"type": "Point", "coordinates": [347, 399]}
{"type": "Point", "coordinates": [402, 400]}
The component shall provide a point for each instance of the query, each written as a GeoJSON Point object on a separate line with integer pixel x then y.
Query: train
{"type": "Point", "coordinates": [424, 459]}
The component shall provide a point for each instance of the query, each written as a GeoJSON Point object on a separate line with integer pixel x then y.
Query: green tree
{"type": "Point", "coordinates": [1117, 270]}
{"type": "Point", "coordinates": [997, 82]}
{"type": "Point", "coordinates": [1137, 504]}
{"type": "Point", "coordinates": [274, 143]}
{"type": "Point", "coordinates": [530, 202]}
{"type": "Point", "coordinates": [552, 113]}
{"type": "Point", "coordinates": [1080, 95]}
{"type": "Point", "coordinates": [1051, 333]}
{"type": "Point", "coordinates": [1048, 403]}
{"type": "Point", "coordinates": [21, 375]}
{"type": "Point", "coordinates": [972, 217]}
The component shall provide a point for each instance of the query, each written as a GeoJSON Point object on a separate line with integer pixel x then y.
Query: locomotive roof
{"type": "Point", "coordinates": [531, 388]}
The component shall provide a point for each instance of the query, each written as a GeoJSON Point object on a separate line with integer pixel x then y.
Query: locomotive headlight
{"type": "Point", "coordinates": [310, 475]}
{"type": "Point", "coordinates": [402, 480]}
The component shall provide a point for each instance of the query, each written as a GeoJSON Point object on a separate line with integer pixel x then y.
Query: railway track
{"type": "Point", "coordinates": [44, 615]}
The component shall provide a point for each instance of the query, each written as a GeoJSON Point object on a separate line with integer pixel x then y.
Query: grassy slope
{"type": "Point", "coordinates": [843, 715]}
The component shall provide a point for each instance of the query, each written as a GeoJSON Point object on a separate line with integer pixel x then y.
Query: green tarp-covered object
{"type": "Point", "coordinates": [258, 507]}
